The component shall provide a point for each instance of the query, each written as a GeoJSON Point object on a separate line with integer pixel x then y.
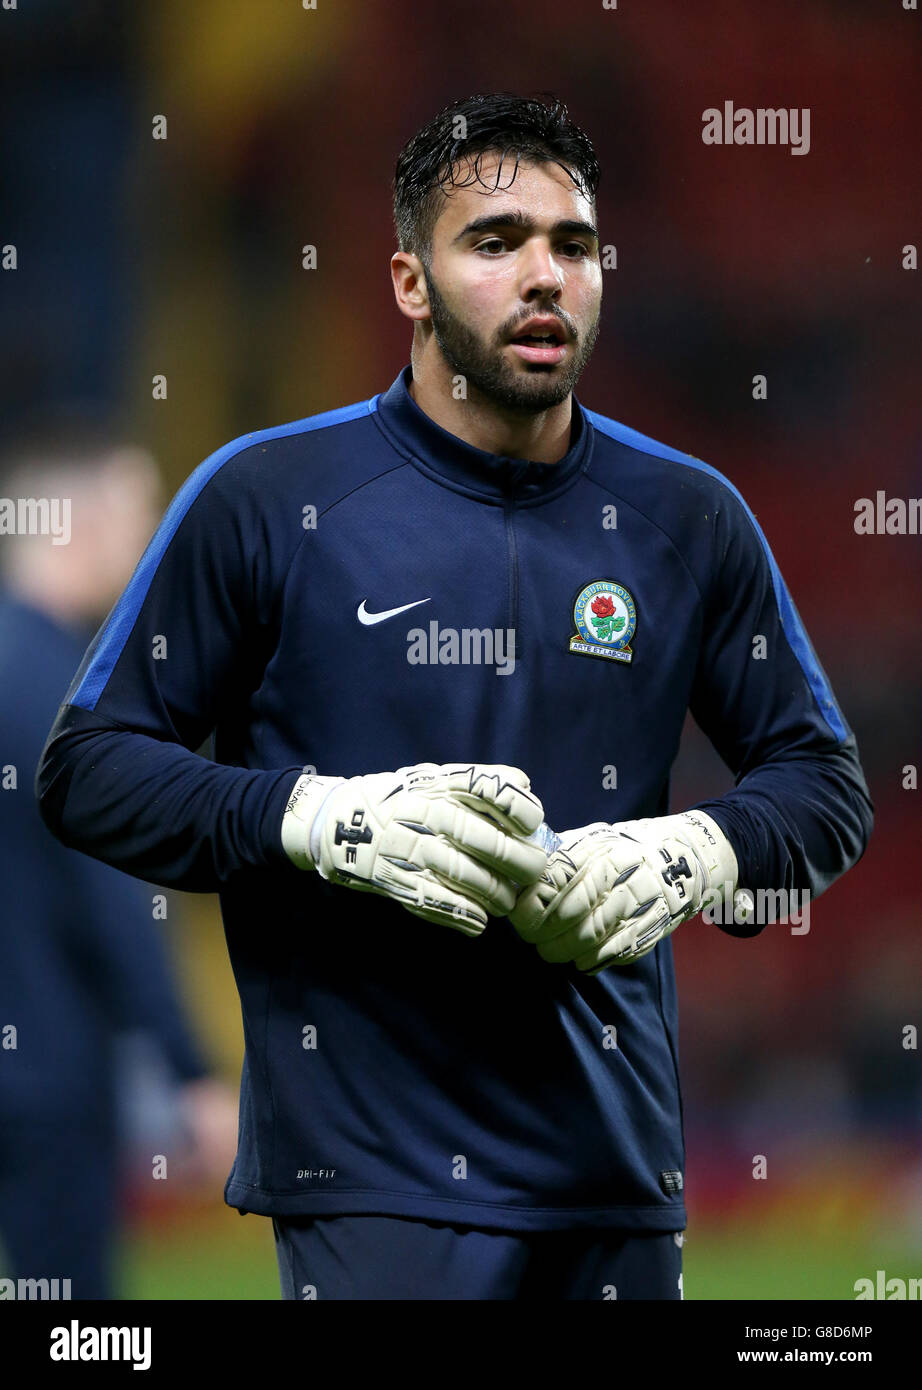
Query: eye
{"type": "Point", "coordinates": [491, 241]}
{"type": "Point", "coordinates": [578, 247]}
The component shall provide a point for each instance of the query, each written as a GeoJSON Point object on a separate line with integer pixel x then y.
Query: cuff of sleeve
{"type": "Point", "coordinates": [272, 811]}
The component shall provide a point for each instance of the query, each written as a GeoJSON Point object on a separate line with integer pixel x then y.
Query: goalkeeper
{"type": "Point", "coordinates": [460, 1075]}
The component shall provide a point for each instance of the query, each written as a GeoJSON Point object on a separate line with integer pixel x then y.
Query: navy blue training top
{"type": "Point", "coordinates": [392, 1065]}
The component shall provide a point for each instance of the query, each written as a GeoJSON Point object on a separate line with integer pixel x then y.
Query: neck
{"type": "Point", "coordinates": [542, 436]}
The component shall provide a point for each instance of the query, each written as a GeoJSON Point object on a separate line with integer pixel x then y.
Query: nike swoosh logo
{"type": "Point", "coordinates": [369, 619]}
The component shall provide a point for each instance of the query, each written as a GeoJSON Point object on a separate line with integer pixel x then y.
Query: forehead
{"type": "Point", "coordinates": [545, 192]}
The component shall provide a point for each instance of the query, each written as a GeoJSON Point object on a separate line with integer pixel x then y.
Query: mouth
{"type": "Point", "coordinates": [547, 347]}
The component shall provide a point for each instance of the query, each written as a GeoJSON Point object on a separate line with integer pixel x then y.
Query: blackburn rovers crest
{"type": "Point", "coordinates": [605, 619]}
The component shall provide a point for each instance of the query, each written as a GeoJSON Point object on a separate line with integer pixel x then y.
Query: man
{"type": "Point", "coordinates": [82, 962]}
{"type": "Point", "coordinates": [417, 633]}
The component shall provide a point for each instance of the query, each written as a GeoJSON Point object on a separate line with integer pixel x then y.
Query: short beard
{"type": "Point", "coordinates": [485, 368]}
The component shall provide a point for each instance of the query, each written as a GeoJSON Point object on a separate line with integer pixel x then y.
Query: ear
{"type": "Point", "coordinates": [410, 289]}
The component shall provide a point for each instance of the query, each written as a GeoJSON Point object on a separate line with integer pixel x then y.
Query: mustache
{"type": "Point", "coordinates": [570, 332]}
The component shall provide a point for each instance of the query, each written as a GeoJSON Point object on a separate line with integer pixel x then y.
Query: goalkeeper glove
{"type": "Point", "coordinates": [611, 892]}
{"type": "Point", "coordinates": [450, 843]}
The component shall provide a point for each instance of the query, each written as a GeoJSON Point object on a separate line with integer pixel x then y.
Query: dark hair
{"type": "Point", "coordinates": [532, 129]}
{"type": "Point", "coordinates": [63, 437]}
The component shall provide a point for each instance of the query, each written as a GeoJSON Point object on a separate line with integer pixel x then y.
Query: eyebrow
{"type": "Point", "coordinates": [517, 218]}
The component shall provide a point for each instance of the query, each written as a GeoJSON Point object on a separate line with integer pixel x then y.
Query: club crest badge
{"type": "Point", "coordinates": [605, 619]}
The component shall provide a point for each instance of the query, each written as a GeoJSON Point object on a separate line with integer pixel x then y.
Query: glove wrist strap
{"type": "Point", "coordinates": [303, 818]}
{"type": "Point", "coordinates": [711, 847]}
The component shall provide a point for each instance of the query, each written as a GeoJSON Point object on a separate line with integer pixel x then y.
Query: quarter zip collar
{"type": "Point", "coordinates": [452, 462]}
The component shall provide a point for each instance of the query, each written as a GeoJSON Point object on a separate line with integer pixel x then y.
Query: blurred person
{"type": "Point", "coordinates": [82, 962]}
{"type": "Point", "coordinates": [435, 1104]}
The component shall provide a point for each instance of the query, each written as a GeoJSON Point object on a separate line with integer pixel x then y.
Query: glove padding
{"type": "Point", "coordinates": [449, 842]}
{"type": "Point", "coordinates": [610, 893]}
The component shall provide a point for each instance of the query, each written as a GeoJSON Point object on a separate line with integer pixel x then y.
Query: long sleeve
{"type": "Point", "coordinates": [800, 814]}
{"type": "Point", "coordinates": [181, 652]}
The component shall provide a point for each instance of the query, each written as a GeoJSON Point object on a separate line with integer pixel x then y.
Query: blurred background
{"type": "Point", "coordinates": [179, 258]}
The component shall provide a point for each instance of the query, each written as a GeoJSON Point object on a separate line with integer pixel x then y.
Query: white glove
{"type": "Point", "coordinates": [450, 843]}
{"type": "Point", "coordinates": [611, 892]}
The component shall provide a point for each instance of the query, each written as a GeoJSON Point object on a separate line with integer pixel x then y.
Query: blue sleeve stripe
{"type": "Point", "coordinates": [790, 622]}
{"type": "Point", "coordinates": [122, 619]}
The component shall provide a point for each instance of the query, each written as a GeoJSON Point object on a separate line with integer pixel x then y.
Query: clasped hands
{"type": "Point", "coordinates": [456, 843]}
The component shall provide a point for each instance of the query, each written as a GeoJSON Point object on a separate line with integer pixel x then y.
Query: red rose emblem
{"type": "Point", "coordinates": [603, 607]}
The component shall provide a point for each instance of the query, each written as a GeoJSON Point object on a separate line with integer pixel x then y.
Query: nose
{"type": "Point", "coordinates": [541, 275]}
